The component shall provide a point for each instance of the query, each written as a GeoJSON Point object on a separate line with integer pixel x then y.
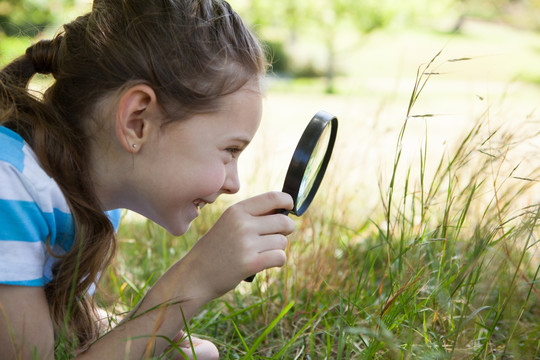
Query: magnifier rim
{"type": "Point", "coordinates": [307, 143]}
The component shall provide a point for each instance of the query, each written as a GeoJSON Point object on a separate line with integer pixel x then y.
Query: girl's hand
{"type": "Point", "coordinates": [202, 349]}
{"type": "Point", "coordinates": [249, 237]}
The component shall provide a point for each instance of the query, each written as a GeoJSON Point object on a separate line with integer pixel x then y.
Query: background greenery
{"type": "Point", "coordinates": [423, 241]}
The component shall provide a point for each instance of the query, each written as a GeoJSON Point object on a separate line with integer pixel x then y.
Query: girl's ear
{"type": "Point", "coordinates": [136, 117]}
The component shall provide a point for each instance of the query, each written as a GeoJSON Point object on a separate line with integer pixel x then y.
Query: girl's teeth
{"type": "Point", "coordinates": [199, 205]}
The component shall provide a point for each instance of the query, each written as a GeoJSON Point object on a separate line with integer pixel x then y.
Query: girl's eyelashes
{"type": "Point", "coordinates": [234, 151]}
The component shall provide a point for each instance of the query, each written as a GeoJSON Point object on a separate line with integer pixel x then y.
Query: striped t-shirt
{"type": "Point", "coordinates": [33, 210]}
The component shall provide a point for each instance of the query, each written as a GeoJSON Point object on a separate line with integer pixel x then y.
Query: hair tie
{"type": "Point", "coordinates": [44, 55]}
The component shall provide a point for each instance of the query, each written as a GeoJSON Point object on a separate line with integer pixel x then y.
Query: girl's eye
{"type": "Point", "coordinates": [234, 151]}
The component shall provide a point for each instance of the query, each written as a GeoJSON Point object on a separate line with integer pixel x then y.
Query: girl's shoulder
{"type": "Point", "coordinates": [22, 177]}
{"type": "Point", "coordinates": [35, 215]}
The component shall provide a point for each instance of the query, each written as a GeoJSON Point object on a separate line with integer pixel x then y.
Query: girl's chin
{"type": "Point", "coordinates": [179, 225]}
{"type": "Point", "coordinates": [179, 230]}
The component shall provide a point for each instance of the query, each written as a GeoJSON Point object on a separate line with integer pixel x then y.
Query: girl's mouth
{"type": "Point", "coordinates": [199, 204]}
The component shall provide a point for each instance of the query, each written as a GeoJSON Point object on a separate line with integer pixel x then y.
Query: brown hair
{"type": "Point", "coordinates": [191, 52]}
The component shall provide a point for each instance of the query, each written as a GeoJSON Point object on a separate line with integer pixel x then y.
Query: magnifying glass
{"type": "Point", "coordinates": [309, 163]}
{"type": "Point", "coordinates": [310, 160]}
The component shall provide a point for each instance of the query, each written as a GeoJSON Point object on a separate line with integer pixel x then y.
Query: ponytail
{"type": "Point", "coordinates": [44, 55]}
{"type": "Point", "coordinates": [40, 58]}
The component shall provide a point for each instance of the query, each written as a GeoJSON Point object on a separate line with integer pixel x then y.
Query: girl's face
{"type": "Point", "coordinates": [194, 161]}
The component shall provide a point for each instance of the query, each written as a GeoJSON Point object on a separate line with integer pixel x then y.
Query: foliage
{"type": "Point", "coordinates": [26, 18]}
{"type": "Point", "coordinates": [281, 23]}
{"type": "Point", "coordinates": [522, 14]}
{"type": "Point", "coordinates": [323, 17]}
{"type": "Point", "coordinates": [12, 47]}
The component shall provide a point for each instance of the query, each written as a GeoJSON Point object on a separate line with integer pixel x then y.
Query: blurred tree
{"type": "Point", "coordinates": [327, 16]}
{"type": "Point", "coordinates": [332, 18]}
{"type": "Point", "coordinates": [28, 17]}
{"type": "Point", "coordinates": [365, 15]}
{"type": "Point", "coordinates": [31, 17]}
{"type": "Point", "coordinates": [519, 13]}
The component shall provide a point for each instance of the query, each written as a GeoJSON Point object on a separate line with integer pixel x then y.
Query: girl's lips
{"type": "Point", "coordinates": [199, 204]}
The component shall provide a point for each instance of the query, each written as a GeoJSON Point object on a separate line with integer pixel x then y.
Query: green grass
{"type": "Point", "coordinates": [446, 266]}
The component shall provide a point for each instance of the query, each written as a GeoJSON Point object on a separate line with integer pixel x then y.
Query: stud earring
{"type": "Point", "coordinates": [134, 146]}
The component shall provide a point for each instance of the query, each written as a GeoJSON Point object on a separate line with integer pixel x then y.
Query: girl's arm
{"type": "Point", "coordinates": [247, 238]}
{"type": "Point", "coordinates": [155, 321]}
{"type": "Point", "coordinates": [26, 330]}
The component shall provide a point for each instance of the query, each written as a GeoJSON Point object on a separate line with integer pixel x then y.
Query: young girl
{"type": "Point", "coordinates": [151, 105]}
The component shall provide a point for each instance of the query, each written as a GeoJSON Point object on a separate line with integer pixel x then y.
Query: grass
{"type": "Point", "coordinates": [446, 266]}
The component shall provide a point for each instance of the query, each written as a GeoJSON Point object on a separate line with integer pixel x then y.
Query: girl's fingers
{"type": "Point", "coordinates": [273, 224]}
{"type": "Point", "coordinates": [272, 242]}
{"type": "Point", "coordinates": [267, 203]}
{"type": "Point", "coordinates": [271, 258]}
{"type": "Point", "coordinates": [204, 349]}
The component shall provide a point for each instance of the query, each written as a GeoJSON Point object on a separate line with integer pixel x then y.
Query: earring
{"type": "Point", "coordinates": [134, 146]}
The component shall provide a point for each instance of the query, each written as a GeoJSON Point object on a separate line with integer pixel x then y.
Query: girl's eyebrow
{"type": "Point", "coordinates": [243, 140]}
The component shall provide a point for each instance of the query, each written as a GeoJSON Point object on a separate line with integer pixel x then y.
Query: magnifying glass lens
{"type": "Point", "coordinates": [313, 167]}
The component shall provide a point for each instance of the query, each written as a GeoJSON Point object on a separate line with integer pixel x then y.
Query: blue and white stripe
{"type": "Point", "coordinates": [33, 210]}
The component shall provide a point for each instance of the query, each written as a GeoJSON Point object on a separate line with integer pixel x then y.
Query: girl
{"type": "Point", "coordinates": [151, 105]}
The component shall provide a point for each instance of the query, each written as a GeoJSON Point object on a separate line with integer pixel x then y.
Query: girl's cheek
{"type": "Point", "coordinates": [214, 180]}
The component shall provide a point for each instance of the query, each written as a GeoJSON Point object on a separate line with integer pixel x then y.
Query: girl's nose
{"type": "Point", "coordinates": [232, 182]}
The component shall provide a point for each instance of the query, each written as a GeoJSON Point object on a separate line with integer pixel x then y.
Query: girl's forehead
{"type": "Point", "coordinates": [238, 111]}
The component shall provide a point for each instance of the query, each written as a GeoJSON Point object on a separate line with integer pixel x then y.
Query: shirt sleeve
{"type": "Point", "coordinates": [115, 216]}
{"type": "Point", "coordinates": [23, 231]}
